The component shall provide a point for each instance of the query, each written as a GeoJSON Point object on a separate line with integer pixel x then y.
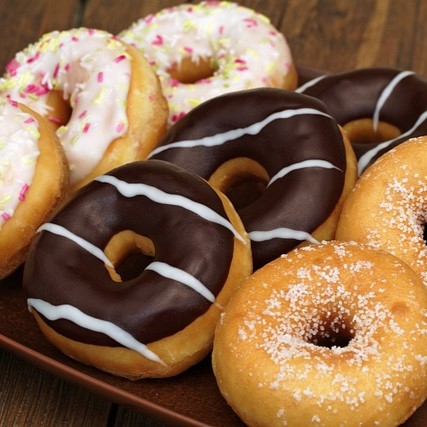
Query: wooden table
{"type": "Point", "coordinates": [333, 35]}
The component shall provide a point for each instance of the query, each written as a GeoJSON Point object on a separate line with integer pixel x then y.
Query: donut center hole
{"type": "Point", "coordinates": [130, 253]}
{"type": "Point", "coordinates": [189, 71]}
{"type": "Point", "coordinates": [242, 180]}
{"type": "Point", "coordinates": [362, 131]}
{"type": "Point", "coordinates": [60, 110]}
{"type": "Point", "coordinates": [330, 333]}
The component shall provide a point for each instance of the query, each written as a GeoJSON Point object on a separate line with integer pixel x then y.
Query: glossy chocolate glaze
{"type": "Point", "coordinates": [149, 306]}
{"type": "Point", "coordinates": [354, 95]}
{"type": "Point", "coordinates": [302, 199]}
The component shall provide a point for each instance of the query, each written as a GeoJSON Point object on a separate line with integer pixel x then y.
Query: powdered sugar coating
{"type": "Point", "coordinates": [92, 70]}
{"type": "Point", "coordinates": [274, 330]}
{"type": "Point", "coordinates": [19, 135]}
{"type": "Point", "coordinates": [244, 48]}
{"type": "Point", "coordinates": [388, 207]}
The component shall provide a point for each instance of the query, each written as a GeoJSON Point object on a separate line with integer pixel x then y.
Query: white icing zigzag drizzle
{"type": "Point", "coordinates": [89, 247]}
{"type": "Point", "coordinates": [159, 196]}
{"type": "Point", "coordinates": [311, 163]}
{"type": "Point", "coordinates": [76, 316]}
{"type": "Point", "coordinates": [281, 233]}
{"type": "Point", "coordinates": [233, 134]}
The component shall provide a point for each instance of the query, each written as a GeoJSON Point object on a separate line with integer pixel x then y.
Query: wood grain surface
{"type": "Point", "coordinates": [334, 35]}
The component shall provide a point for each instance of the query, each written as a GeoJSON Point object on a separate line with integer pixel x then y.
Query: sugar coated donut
{"type": "Point", "coordinates": [388, 206]}
{"type": "Point", "coordinates": [33, 180]}
{"type": "Point", "coordinates": [204, 50]}
{"type": "Point", "coordinates": [157, 322]}
{"type": "Point", "coordinates": [287, 145]}
{"type": "Point", "coordinates": [118, 111]}
{"type": "Point", "coordinates": [379, 107]}
{"type": "Point", "coordinates": [328, 335]}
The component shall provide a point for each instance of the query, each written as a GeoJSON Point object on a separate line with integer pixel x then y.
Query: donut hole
{"type": "Point", "coordinates": [331, 332]}
{"type": "Point", "coordinates": [242, 180]}
{"type": "Point", "coordinates": [130, 253]}
{"type": "Point", "coordinates": [189, 71]}
{"type": "Point", "coordinates": [60, 109]}
{"type": "Point", "coordinates": [362, 131]}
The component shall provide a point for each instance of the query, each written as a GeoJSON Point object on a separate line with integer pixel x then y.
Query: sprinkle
{"type": "Point", "coordinates": [56, 71]}
{"type": "Point", "coordinates": [29, 120]}
{"type": "Point", "coordinates": [158, 41]}
{"type": "Point", "coordinates": [23, 191]}
{"type": "Point", "coordinates": [250, 22]}
{"type": "Point", "coordinates": [83, 114]}
{"type": "Point", "coordinates": [86, 128]}
{"type": "Point", "coordinates": [120, 58]}
{"type": "Point", "coordinates": [74, 39]}
{"type": "Point", "coordinates": [120, 127]}
{"type": "Point", "coordinates": [54, 119]}
{"type": "Point", "coordinates": [12, 67]}
{"type": "Point", "coordinates": [33, 58]}
{"type": "Point", "coordinates": [5, 216]}
{"type": "Point", "coordinates": [100, 77]}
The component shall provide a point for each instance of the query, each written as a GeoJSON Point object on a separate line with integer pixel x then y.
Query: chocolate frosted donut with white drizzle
{"type": "Point", "coordinates": [159, 321]}
{"type": "Point", "coordinates": [379, 107]}
{"type": "Point", "coordinates": [284, 142]}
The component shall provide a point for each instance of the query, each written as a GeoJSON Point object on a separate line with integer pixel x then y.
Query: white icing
{"type": "Point", "coordinates": [89, 247]}
{"type": "Point", "coordinates": [245, 49]}
{"type": "Point", "coordinates": [92, 70]}
{"type": "Point", "coordinates": [159, 196]}
{"type": "Point", "coordinates": [368, 156]}
{"type": "Point", "coordinates": [233, 134]}
{"type": "Point", "coordinates": [170, 272]}
{"type": "Point", "coordinates": [73, 314]}
{"type": "Point", "coordinates": [386, 93]}
{"type": "Point", "coordinates": [19, 135]}
{"type": "Point", "coordinates": [312, 163]}
{"type": "Point", "coordinates": [281, 233]}
{"type": "Point", "coordinates": [309, 84]}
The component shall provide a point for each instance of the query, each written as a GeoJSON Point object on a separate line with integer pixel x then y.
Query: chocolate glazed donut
{"type": "Point", "coordinates": [387, 106]}
{"type": "Point", "coordinates": [284, 139]}
{"type": "Point", "coordinates": [68, 274]}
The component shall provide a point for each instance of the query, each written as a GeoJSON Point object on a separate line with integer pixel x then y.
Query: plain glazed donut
{"type": "Point", "coordinates": [378, 107]}
{"type": "Point", "coordinates": [33, 180]}
{"type": "Point", "coordinates": [160, 321]}
{"type": "Point", "coordinates": [118, 110]}
{"type": "Point", "coordinates": [388, 207]}
{"type": "Point", "coordinates": [285, 141]}
{"type": "Point", "coordinates": [328, 335]}
{"type": "Point", "coordinates": [203, 50]}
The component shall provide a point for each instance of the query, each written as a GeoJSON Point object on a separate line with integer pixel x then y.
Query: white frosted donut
{"type": "Point", "coordinates": [328, 335]}
{"type": "Point", "coordinates": [205, 50]}
{"type": "Point", "coordinates": [33, 179]}
{"type": "Point", "coordinates": [94, 73]}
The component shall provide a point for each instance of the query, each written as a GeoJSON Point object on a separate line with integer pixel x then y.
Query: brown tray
{"type": "Point", "coordinates": [189, 399]}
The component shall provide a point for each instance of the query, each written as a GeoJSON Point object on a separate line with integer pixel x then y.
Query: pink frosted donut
{"type": "Point", "coordinates": [205, 50]}
{"type": "Point", "coordinates": [105, 83]}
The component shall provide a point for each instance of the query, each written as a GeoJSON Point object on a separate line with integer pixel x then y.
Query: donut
{"type": "Point", "coordinates": [278, 155]}
{"type": "Point", "coordinates": [387, 208]}
{"type": "Point", "coordinates": [327, 335]}
{"type": "Point", "coordinates": [118, 112]}
{"type": "Point", "coordinates": [203, 50]}
{"type": "Point", "coordinates": [33, 180]}
{"type": "Point", "coordinates": [378, 107]}
{"type": "Point", "coordinates": [153, 322]}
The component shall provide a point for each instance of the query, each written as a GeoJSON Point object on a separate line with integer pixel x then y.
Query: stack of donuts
{"type": "Point", "coordinates": [181, 188]}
